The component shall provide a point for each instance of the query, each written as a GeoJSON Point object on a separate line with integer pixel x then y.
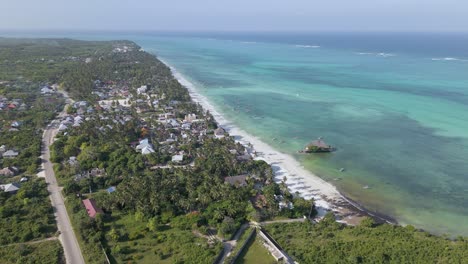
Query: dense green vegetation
{"type": "Point", "coordinates": [166, 204]}
{"type": "Point", "coordinates": [47, 252]}
{"type": "Point", "coordinates": [131, 238]}
{"type": "Point", "coordinates": [332, 242]}
{"type": "Point", "coordinates": [27, 65]}
{"type": "Point", "coordinates": [158, 197]}
{"type": "Point", "coordinates": [132, 69]}
{"type": "Point", "coordinates": [44, 60]}
{"type": "Point", "coordinates": [26, 215]}
{"type": "Point", "coordinates": [157, 213]}
{"type": "Point", "coordinates": [27, 138]}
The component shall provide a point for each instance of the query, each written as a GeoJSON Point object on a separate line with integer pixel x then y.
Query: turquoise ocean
{"type": "Point", "coordinates": [394, 105]}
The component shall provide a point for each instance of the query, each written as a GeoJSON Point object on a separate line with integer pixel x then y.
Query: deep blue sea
{"type": "Point", "coordinates": [394, 104]}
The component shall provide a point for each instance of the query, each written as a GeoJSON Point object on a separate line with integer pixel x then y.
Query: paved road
{"type": "Point", "coordinates": [230, 244]}
{"type": "Point", "coordinates": [67, 235]}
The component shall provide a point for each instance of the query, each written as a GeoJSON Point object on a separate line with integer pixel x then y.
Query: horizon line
{"type": "Point", "coordinates": [57, 30]}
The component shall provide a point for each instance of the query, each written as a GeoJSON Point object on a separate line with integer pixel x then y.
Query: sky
{"type": "Point", "coordinates": [235, 15]}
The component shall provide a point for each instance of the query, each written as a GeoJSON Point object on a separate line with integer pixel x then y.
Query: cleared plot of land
{"type": "Point", "coordinates": [255, 253]}
{"type": "Point", "coordinates": [132, 241]}
{"type": "Point", "coordinates": [43, 252]}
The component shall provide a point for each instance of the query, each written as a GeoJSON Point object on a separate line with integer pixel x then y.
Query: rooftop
{"type": "Point", "coordinates": [91, 207]}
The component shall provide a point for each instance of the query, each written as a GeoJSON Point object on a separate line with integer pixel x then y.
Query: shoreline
{"type": "Point", "coordinates": [326, 196]}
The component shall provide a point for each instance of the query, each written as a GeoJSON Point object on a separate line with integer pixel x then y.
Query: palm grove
{"type": "Point", "coordinates": [163, 204]}
{"type": "Point", "coordinates": [191, 195]}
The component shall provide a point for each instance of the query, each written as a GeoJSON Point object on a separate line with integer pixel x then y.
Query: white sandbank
{"type": "Point", "coordinates": [299, 180]}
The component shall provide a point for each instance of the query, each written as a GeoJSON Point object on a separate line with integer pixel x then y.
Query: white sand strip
{"type": "Point", "coordinates": [299, 180]}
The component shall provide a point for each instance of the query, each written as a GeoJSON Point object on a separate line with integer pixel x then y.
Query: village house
{"type": "Point", "coordinates": [11, 106]}
{"type": "Point", "coordinates": [162, 118]}
{"type": "Point", "coordinates": [172, 123]}
{"type": "Point", "coordinates": [244, 157]}
{"type": "Point", "coordinates": [143, 143]}
{"type": "Point", "coordinates": [169, 115]}
{"type": "Point", "coordinates": [47, 90]}
{"type": "Point", "coordinates": [171, 139]}
{"type": "Point", "coordinates": [142, 89]}
{"type": "Point", "coordinates": [184, 135]}
{"type": "Point", "coordinates": [233, 151]}
{"type": "Point", "coordinates": [186, 126]}
{"type": "Point", "coordinates": [62, 127]}
{"type": "Point", "coordinates": [10, 154]}
{"type": "Point", "coordinates": [288, 205]}
{"type": "Point", "coordinates": [190, 117]}
{"type": "Point", "coordinates": [155, 104]}
{"type": "Point", "coordinates": [147, 150]}
{"type": "Point", "coordinates": [72, 161]}
{"type": "Point", "coordinates": [238, 181]}
{"type": "Point", "coordinates": [91, 208]}
{"type": "Point", "coordinates": [97, 172]}
{"type": "Point", "coordinates": [259, 201]}
{"type": "Point", "coordinates": [177, 158]}
{"type": "Point", "coordinates": [15, 124]}
{"type": "Point", "coordinates": [219, 133]}
{"type": "Point", "coordinates": [9, 171]}
{"type": "Point", "coordinates": [10, 187]}
{"type": "Point", "coordinates": [22, 107]}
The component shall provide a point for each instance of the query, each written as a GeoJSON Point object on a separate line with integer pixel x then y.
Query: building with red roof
{"type": "Point", "coordinates": [91, 207]}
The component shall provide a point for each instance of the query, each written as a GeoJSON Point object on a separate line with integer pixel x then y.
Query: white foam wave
{"type": "Point", "coordinates": [379, 54]}
{"type": "Point", "coordinates": [448, 59]}
{"type": "Point", "coordinates": [308, 46]}
{"type": "Point", "coordinates": [385, 54]}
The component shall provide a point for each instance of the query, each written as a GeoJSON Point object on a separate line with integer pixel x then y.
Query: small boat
{"type": "Point", "coordinates": [342, 169]}
{"type": "Point", "coordinates": [366, 187]}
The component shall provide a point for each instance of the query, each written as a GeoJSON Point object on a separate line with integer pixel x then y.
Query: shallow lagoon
{"type": "Point", "coordinates": [399, 119]}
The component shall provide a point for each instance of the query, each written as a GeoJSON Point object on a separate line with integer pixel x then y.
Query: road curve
{"type": "Point", "coordinates": [67, 236]}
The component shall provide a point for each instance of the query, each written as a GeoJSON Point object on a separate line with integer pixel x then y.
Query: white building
{"type": "Point", "coordinates": [178, 158]}
{"type": "Point", "coordinates": [142, 89]}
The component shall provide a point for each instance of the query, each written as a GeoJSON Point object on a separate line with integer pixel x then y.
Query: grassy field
{"type": "Point", "coordinates": [255, 253]}
{"type": "Point", "coordinates": [43, 252]}
{"type": "Point", "coordinates": [136, 244]}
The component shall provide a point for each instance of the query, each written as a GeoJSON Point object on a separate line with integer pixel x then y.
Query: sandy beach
{"type": "Point", "coordinates": [308, 185]}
